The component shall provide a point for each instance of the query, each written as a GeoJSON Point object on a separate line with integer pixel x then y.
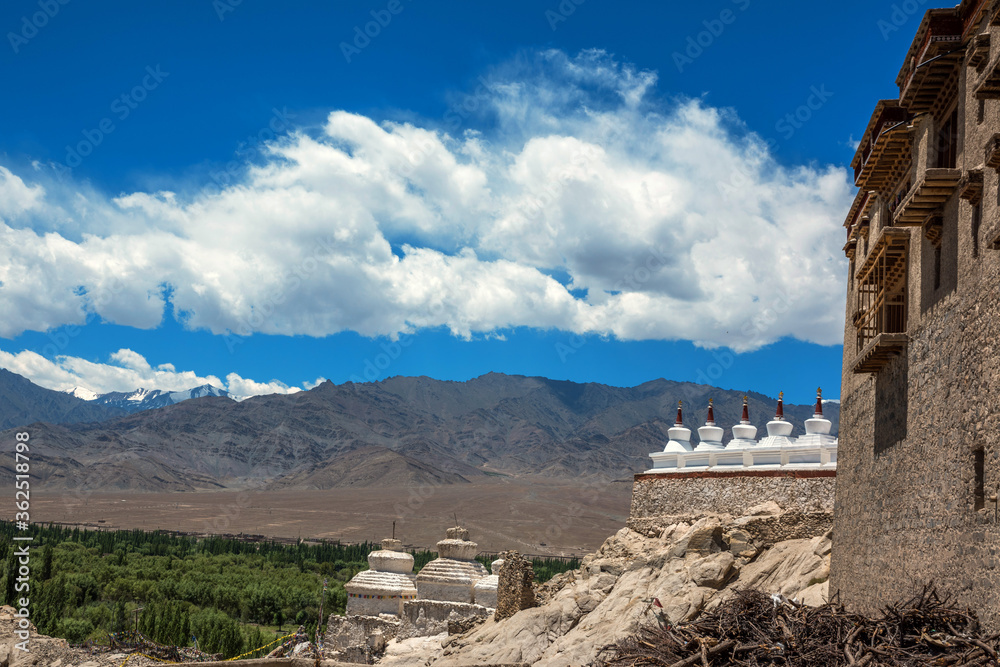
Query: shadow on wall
{"type": "Point", "coordinates": [891, 404]}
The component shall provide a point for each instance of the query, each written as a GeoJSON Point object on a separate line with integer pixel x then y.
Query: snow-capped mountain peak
{"type": "Point", "coordinates": [147, 399]}
{"type": "Point", "coordinates": [139, 394]}
{"type": "Point", "coordinates": [82, 393]}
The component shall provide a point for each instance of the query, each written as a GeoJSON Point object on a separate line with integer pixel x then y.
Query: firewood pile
{"type": "Point", "coordinates": [754, 628]}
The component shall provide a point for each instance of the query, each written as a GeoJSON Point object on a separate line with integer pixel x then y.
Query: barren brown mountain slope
{"type": "Point", "coordinates": [342, 435]}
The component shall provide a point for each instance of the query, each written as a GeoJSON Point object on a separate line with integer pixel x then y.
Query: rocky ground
{"type": "Point", "coordinates": [690, 566]}
{"type": "Point", "coordinates": [51, 652]}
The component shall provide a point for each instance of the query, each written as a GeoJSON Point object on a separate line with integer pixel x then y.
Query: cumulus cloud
{"type": "Point", "coordinates": [566, 197]}
{"type": "Point", "coordinates": [127, 370]}
{"type": "Point", "coordinates": [16, 197]}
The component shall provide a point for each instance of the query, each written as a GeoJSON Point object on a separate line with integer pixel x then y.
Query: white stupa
{"type": "Point", "coordinates": [383, 587]}
{"type": "Point", "coordinates": [778, 429]}
{"type": "Point", "coordinates": [452, 575]}
{"type": "Point", "coordinates": [680, 435]}
{"type": "Point", "coordinates": [744, 433]}
{"type": "Point", "coordinates": [710, 434]}
{"type": "Point", "coordinates": [486, 588]}
{"type": "Point", "coordinates": [818, 428]}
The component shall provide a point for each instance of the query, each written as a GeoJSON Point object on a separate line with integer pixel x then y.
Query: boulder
{"type": "Point", "coordinates": [712, 571]}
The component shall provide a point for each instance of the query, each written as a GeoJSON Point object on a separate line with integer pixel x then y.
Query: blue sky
{"type": "Point", "coordinates": [261, 195]}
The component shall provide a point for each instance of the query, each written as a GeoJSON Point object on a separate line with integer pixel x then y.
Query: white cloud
{"type": "Point", "coordinates": [670, 220]}
{"type": "Point", "coordinates": [15, 196]}
{"type": "Point", "coordinates": [128, 370]}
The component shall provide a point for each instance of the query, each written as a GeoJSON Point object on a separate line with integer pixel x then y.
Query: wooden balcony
{"type": "Point", "coordinates": [971, 185]}
{"type": "Point", "coordinates": [992, 157]}
{"type": "Point", "coordinates": [861, 208]}
{"type": "Point", "coordinates": [851, 248]}
{"type": "Point", "coordinates": [935, 54]}
{"type": "Point", "coordinates": [987, 86]}
{"type": "Point", "coordinates": [880, 314]}
{"type": "Point", "coordinates": [934, 229]}
{"type": "Point", "coordinates": [864, 227]}
{"type": "Point", "coordinates": [880, 351]}
{"type": "Point", "coordinates": [979, 51]}
{"type": "Point", "coordinates": [890, 248]}
{"type": "Point", "coordinates": [927, 196]}
{"type": "Point", "coordinates": [885, 146]}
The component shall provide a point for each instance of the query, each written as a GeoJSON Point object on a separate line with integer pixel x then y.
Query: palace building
{"type": "Point", "coordinates": [917, 481]}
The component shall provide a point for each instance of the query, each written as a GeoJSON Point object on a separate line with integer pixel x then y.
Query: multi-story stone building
{"type": "Point", "coordinates": [918, 475]}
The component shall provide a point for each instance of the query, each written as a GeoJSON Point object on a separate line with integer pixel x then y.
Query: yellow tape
{"type": "Point", "coordinates": [279, 639]}
{"type": "Point", "coordinates": [171, 662]}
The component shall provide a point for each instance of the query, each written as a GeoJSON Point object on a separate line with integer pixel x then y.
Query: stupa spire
{"type": "Point", "coordinates": [818, 428]}
{"type": "Point", "coordinates": [778, 429]}
{"type": "Point", "coordinates": [744, 432]}
{"type": "Point", "coordinates": [710, 434]}
{"type": "Point", "coordinates": [680, 435]}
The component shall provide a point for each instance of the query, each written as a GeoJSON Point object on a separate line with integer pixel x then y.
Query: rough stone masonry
{"type": "Point", "coordinates": [516, 588]}
{"type": "Point", "coordinates": [916, 497]}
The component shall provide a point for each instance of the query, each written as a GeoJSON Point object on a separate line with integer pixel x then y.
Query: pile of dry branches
{"type": "Point", "coordinates": [754, 628]}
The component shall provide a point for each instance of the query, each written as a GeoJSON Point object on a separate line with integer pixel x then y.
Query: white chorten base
{"type": "Point", "coordinates": [371, 593]}
{"type": "Point", "coordinates": [485, 591]}
{"type": "Point", "coordinates": [449, 580]}
{"type": "Point", "coordinates": [759, 457]}
{"type": "Point", "coordinates": [678, 446]}
{"type": "Point", "coordinates": [814, 439]}
{"type": "Point", "coordinates": [776, 441]}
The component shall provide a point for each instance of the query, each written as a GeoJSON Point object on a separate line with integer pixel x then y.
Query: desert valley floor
{"type": "Point", "coordinates": [538, 516]}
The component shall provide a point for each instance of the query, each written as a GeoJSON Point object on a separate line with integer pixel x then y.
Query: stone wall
{"type": "Point", "coordinates": [515, 588]}
{"type": "Point", "coordinates": [359, 639]}
{"type": "Point", "coordinates": [656, 498]}
{"type": "Point", "coordinates": [912, 504]}
{"type": "Point", "coordinates": [425, 618]}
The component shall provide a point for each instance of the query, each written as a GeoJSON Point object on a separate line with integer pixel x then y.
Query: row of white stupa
{"type": "Point", "coordinates": [817, 449]}
{"type": "Point", "coordinates": [454, 576]}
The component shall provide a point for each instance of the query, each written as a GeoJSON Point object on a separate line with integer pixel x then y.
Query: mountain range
{"type": "Point", "coordinates": [146, 399]}
{"type": "Point", "coordinates": [408, 431]}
